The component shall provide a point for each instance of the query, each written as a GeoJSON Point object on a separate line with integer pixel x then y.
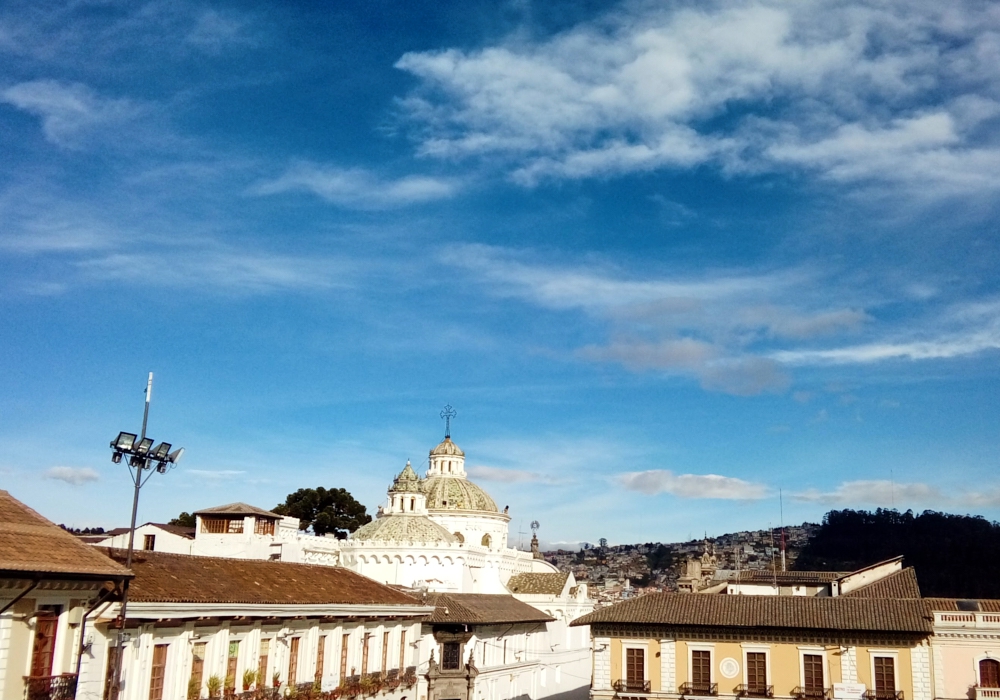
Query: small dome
{"type": "Point", "coordinates": [447, 448]}
{"type": "Point", "coordinates": [403, 528]}
{"type": "Point", "coordinates": [451, 493]}
{"type": "Point", "coordinates": [407, 481]}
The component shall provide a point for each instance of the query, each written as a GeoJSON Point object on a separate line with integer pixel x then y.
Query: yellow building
{"type": "Point", "coordinates": [671, 645]}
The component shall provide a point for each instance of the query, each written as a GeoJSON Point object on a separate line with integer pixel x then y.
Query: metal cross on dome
{"type": "Point", "coordinates": [448, 413]}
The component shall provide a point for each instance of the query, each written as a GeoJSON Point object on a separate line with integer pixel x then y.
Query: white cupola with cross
{"type": "Point", "coordinates": [447, 459]}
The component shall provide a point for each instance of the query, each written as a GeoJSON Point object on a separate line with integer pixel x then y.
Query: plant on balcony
{"type": "Point", "coordinates": [249, 678]}
{"type": "Point", "coordinates": [214, 685]}
{"type": "Point", "coordinates": [276, 680]}
{"type": "Point", "coordinates": [194, 689]}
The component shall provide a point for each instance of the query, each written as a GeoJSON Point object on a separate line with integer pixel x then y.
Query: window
{"type": "Point", "coordinates": [413, 503]}
{"type": "Point", "coordinates": [320, 651]}
{"type": "Point", "coordinates": [364, 654]}
{"type": "Point", "coordinates": [343, 656]}
{"type": "Point", "coordinates": [263, 526]}
{"type": "Point", "coordinates": [45, 643]}
{"type": "Point", "coordinates": [157, 670]}
{"type": "Point", "coordinates": [756, 667]}
{"type": "Point", "coordinates": [989, 673]}
{"type": "Point", "coordinates": [234, 655]}
{"type": "Point", "coordinates": [701, 669]}
{"type": "Point", "coordinates": [293, 661]}
{"type": "Point", "coordinates": [149, 542]}
{"type": "Point", "coordinates": [486, 541]}
{"type": "Point", "coordinates": [402, 649]}
{"type": "Point", "coordinates": [885, 676]}
{"type": "Point", "coordinates": [812, 674]}
{"type": "Point", "coordinates": [459, 537]}
{"type": "Point", "coordinates": [222, 525]}
{"type": "Point", "coordinates": [110, 682]}
{"type": "Point", "coordinates": [385, 652]}
{"type": "Point", "coordinates": [262, 659]}
{"type": "Point", "coordinates": [635, 665]}
{"type": "Point", "coordinates": [451, 655]}
{"type": "Point", "coordinates": [197, 670]}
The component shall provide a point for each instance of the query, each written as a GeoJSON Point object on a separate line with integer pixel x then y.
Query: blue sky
{"type": "Point", "coordinates": [665, 259]}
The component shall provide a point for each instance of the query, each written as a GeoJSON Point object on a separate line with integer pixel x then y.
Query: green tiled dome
{"type": "Point", "coordinates": [407, 481]}
{"type": "Point", "coordinates": [453, 493]}
{"type": "Point", "coordinates": [402, 528]}
{"type": "Point", "coordinates": [447, 447]}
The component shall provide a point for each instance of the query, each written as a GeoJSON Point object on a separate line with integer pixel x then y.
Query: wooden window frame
{"type": "Point", "coordinates": [320, 658]}
{"type": "Point", "coordinates": [756, 649]}
{"type": "Point", "coordinates": [198, 665]}
{"type": "Point", "coordinates": [892, 654]}
{"type": "Point", "coordinates": [344, 645]}
{"type": "Point", "coordinates": [979, 670]}
{"type": "Point", "coordinates": [263, 526]}
{"type": "Point", "coordinates": [148, 543]}
{"type": "Point", "coordinates": [158, 671]}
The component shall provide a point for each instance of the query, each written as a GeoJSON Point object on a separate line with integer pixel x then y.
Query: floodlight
{"type": "Point", "coordinates": [136, 461]}
{"type": "Point", "coordinates": [116, 457]}
{"type": "Point", "coordinates": [161, 467]}
{"type": "Point", "coordinates": [142, 448]}
{"type": "Point", "coordinates": [176, 455]}
{"type": "Point", "coordinates": [160, 452]}
{"type": "Point", "coordinates": [124, 441]}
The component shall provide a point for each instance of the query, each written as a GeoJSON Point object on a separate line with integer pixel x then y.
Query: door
{"type": "Point", "coordinates": [989, 673]}
{"type": "Point", "coordinates": [635, 669]}
{"type": "Point", "coordinates": [812, 674]}
{"type": "Point", "coordinates": [44, 646]}
{"type": "Point", "coordinates": [157, 671]}
{"type": "Point", "coordinates": [885, 677]}
{"type": "Point", "coordinates": [757, 673]}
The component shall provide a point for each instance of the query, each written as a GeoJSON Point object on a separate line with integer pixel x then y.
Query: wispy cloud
{"type": "Point", "coordinates": [801, 86]}
{"type": "Point", "coordinates": [886, 493]}
{"type": "Point", "coordinates": [72, 114]}
{"type": "Point", "coordinates": [657, 481]}
{"type": "Point", "coordinates": [507, 476]}
{"type": "Point", "coordinates": [215, 475]}
{"type": "Point", "coordinates": [357, 188]}
{"type": "Point", "coordinates": [77, 476]}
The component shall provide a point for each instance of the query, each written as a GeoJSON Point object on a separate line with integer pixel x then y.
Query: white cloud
{"type": "Point", "coordinates": [891, 91]}
{"type": "Point", "coordinates": [71, 113]}
{"type": "Point", "coordinates": [880, 492]}
{"type": "Point", "coordinates": [657, 481]}
{"type": "Point", "coordinates": [357, 188]}
{"type": "Point", "coordinates": [76, 476]}
{"type": "Point", "coordinates": [216, 30]}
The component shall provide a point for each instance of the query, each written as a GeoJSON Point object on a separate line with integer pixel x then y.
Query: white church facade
{"type": "Point", "coordinates": [500, 628]}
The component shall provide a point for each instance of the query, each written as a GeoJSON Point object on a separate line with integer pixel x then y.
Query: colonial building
{"type": "Point", "coordinates": [49, 582]}
{"type": "Point", "coordinates": [965, 648]}
{"type": "Point", "coordinates": [152, 537]}
{"type": "Point", "coordinates": [676, 646]}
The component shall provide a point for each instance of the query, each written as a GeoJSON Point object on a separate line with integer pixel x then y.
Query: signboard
{"type": "Point", "coordinates": [849, 691]}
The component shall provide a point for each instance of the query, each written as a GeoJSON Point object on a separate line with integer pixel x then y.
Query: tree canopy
{"type": "Point", "coordinates": [955, 556]}
{"type": "Point", "coordinates": [185, 519]}
{"type": "Point", "coordinates": [324, 510]}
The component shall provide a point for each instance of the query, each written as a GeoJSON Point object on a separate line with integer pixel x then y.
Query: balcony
{"type": "Point", "coordinates": [699, 689]}
{"type": "Point", "coordinates": [801, 693]}
{"type": "Point", "coordinates": [631, 686]}
{"type": "Point", "coordinates": [986, 693]}
{"type": "Point", "coordinates": [746, 690]}
{"type": "Point", "coordinates": [883, 695]}
{"type": "Point", "coordinates": [62, 687]}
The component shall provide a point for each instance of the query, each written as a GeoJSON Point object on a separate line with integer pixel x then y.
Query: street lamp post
{"type": "Point", "coordinates": [143, 461]}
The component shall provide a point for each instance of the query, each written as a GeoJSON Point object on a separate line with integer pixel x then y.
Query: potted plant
{"type": "Point", "coordinates": [194, 689]}
{"type": "Point", "coordinates": [214, 686]}
{"type": "Point", "coordinates": [276, 680]}
{"type": "Point", "coordinates": [249, 678]}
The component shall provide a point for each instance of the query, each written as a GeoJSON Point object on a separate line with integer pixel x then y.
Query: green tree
{"type": "Point", "coordinates": [660, 559]}
{"type": "Point", "coordinates": [325, 511]}
{"type": "Point", "coordinates": [185, 519]}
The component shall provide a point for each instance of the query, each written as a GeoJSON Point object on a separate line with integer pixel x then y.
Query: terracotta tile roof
{"type": "Point", "coordinates": [538, 584]}
{"type": "Point", "coordinates": [787, 578]}
{"type": "Point", "coordinates": [180, 578]}
{"type": "Point", "coordinates": [962, 605]}
{"type": "Point", "coordinates": [237, 509]}
{"type": "Point", "coordinates": [31, 544]}
{"type": "Point", "coordinates": [785, 612]}
{"type": "Point", "coordinates": [482, 609]}
{"type": "Point", "coordinates": [901, 584]}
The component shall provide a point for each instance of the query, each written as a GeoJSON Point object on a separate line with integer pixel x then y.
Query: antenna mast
{"type": "Point", "coordinates": [781, 511]}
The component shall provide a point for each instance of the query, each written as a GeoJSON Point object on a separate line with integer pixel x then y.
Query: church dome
{"type": "Point", "coordinates": [448, 449]}
{"type": "Point", "coordinates": [451, 493]}
{"type": "Point", "coordinates": [407, 481]}
{"type": "Point", "coordinates": [403, 528]}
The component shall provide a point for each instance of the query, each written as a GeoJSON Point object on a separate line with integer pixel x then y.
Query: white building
{"type": "Point", "coordinates": [152, 537]}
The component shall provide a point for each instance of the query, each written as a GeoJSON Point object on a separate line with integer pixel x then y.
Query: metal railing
{"type": "Point", "coordinates": [631, 686]}
{"type": "Point", "coordinates": [802, 693]}
{"type": "Point", "coordinates": [884, 695]}
{"type": "Point", "coordinates": [699, 689]}
{"type": "Point", "coordinates": [745, 690]}
{"type": "Point", "coordinates": [61, 687]}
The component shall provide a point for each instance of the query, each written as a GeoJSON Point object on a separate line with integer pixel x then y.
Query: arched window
{"type": "Point", "coordinates": [413, 503]}
{"type": "Point", "coordinates": [989, 673]}
{"type": "Point", "coordinates": [459, 536]}
{"type": "Point", "coordinates": [486, 541]}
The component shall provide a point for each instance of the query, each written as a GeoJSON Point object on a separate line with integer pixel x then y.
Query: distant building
{"type": "Point", "coordinates": [151, 537]}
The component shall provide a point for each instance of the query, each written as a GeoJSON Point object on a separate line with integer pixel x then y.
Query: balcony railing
{"type": "Point", "coordinates": [699, 689]}
{"type": "Point", "coordinates": [802, 693]}
{"type": "Point", "coordinates": [745, 690]}
{"type": "Point", "coordinates": [631, 686]}
{"type": "Point", "coordinates": [986, 693]}
{"type": "Point", "coordinates": [61, 687]}
{"type": "Point", "coordinates": [883, 695]}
